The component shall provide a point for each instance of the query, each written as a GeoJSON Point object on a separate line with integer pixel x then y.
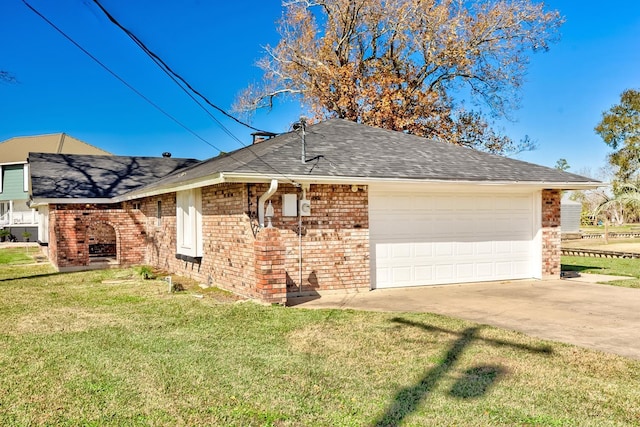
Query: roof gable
{"type": "Point", "coordinates": [17, 149]}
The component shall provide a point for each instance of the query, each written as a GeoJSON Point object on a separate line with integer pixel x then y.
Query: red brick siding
{"type": "Point", "coordinates": [270, 271]}
{"type": "Point", "coordinates": [70, 234]}
{"type": "Point", "coordinates": [335, 241]}
{"type": "Point", "coordinates": [228, 242]}
{"type": "Point", "coordinates": [101, 233]}
{"type": "Point", "coordinates": [551, 233]}
{"type": "Point", "coordinates": [160, 242]}
{"type": "Point", "coordinates": [334, 245]}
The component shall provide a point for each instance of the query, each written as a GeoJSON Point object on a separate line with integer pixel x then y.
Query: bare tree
{"type": "Point", "coordinates": [407, 65]}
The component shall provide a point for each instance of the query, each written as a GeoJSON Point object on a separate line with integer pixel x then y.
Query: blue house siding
{"type": "Point", "coordinates": [13, 183]}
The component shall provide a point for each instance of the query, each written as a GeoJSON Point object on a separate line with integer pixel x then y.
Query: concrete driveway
{"type": "Point", "coordinates": [573, 311]}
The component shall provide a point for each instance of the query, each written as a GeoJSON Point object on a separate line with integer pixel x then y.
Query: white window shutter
{"type": "Point", "coordinates": [197, 224]}
{"type": "Point", "coordinates": [1, 174]}
{"type": "Point", "coordinates": [189, 222]}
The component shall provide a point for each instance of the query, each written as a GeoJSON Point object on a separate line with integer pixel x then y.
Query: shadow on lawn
{"type": "Point", "coordinates": [475, 383]}
{"type": "Point", "coordinates": [32, 276]}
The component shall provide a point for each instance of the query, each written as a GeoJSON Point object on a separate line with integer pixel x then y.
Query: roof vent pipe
{"type": "Point", "coordinates": [301, 125]}
{"type": "Point", "coordinates": [261, 201]}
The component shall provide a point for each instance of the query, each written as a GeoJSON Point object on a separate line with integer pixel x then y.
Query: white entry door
{"type": "Point", "coordinates": [420, 238]}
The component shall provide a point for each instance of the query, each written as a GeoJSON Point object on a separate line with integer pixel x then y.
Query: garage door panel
{"type": "Point", "coordinates": [424, 273]}
{"type": "Point", "coordinates": [484, 248]}
{"type": "Point", "coordinates": [423, 249]}
{"type": "Point", "coordinates": [465, 272]}
{"type": "Point", "coordinates": [484, 270]}
{"type": "Point", "coordinates": [401, 275]}
{"type": "Point", "coordinates": [435, 239]}
{"type": "Point", "coordinates": [465, 249]}
{"type": "Point", "coordinates": [444, 273]}
{"type": "Point", "coordinates": [402, 250]}
{"type": "Point", "coordinates": [503, 269]}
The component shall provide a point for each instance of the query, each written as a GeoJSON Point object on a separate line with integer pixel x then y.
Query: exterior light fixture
{"type": "Point", "coordinates": [269, 214]}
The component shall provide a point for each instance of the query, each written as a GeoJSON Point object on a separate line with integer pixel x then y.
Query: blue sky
{"type": "Point", "coordinates": [215, 45]}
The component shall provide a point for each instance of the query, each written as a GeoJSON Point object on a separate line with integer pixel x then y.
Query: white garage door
{"type": "Point", "coordinates": [432, 238]}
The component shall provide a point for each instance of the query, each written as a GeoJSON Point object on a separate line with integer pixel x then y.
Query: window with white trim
{"type": "Point", "coordinates": [189, 222]}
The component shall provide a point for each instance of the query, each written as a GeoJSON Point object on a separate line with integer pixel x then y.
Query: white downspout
{"type": "Point", "coordinates": [261, 201]}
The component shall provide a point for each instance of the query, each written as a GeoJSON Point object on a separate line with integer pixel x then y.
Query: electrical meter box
{"type": "Point", "coordinates": [305, 207]}
{"type": "Point", "coordinates": [289, 205]}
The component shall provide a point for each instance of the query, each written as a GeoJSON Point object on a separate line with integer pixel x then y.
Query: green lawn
{"type": "Point", "coordinates": [613, 266]}
{"type": "Point", "coordinates": [625, 228]}
{"type": "Point", "coordinates": [109, 349]}
{"type": "Point", "coordinates": [17, 255]}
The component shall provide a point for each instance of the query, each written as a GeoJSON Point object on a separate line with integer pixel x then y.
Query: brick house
{"type": "Point", "coordinates": [337, 206]}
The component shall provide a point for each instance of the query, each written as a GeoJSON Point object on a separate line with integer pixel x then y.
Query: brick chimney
{"type": "Point", "coordinates": [262, 136]}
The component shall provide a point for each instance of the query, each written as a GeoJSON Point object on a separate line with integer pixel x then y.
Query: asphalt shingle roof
{"type": "Point", "coordinates": [334, 148]}
{"type": "Point", "coordinates": [340, 148]}
{"type": "Point", "coordinates": [68, 176]}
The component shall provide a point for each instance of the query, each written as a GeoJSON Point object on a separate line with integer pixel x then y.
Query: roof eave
{"type": "Point", "coordinates": [43, 201]}
{"type": "Point", "coordinates": [220, 178]}
{"type": "Point", "coordinates": [306, 179]}
{"type": "Point", "coordinates": [151, 191]}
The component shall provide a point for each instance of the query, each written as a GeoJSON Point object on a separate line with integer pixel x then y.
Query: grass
{"type": "Point", "coordinates": [615, 245]}
{"type": "Point", "coordinates": [19, 255]}
{"type": "Point", "coordinates": [625, 228]}
{"type": "Point", "coordinates": [110, 349]}
{"type": "Point", "coordinates": [614, 266]}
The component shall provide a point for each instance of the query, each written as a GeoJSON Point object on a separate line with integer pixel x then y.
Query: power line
{"type": "Point", "coordinates": [181, 82]}
{"type": "Point", "coordinates": [124, 82]}
{"type": "Point", "coordinates": [140, 94]}
{"type": "Point", "coordinates": [168, 70]}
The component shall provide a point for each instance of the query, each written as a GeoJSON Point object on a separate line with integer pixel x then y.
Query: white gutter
{"type": "Point", "coordinates": [272, 189]}
{"type": "Point", "coordinates": [84, 201]}
{"type": "Point", "coordinates": [306, 179]}
{"type": "Point", "coordinates": [220, 178]}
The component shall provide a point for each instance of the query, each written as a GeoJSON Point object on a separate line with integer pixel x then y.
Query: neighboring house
{"type": "Point", "coordinates": [570, 216]}
{"type": "Point", "coordinates": [352, 208]}
{"type": "Point", "coordinates": [15, 215]}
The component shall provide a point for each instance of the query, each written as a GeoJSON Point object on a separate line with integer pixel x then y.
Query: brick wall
{"type": "Point", "coordinates": [228, 240]}
{"type": "Point", "coordinates": [70, 229]}
{"type": "Point", "coordinates": [335, 238]}
{"type": "Point", "coordinates": [101, 233]}
{"type": "Point", "coordinates": [335, 249]}
{"type": "Point", "coordinates": [160, 242]}
{"type": "Point", "coordinates": [551, 233]}
{"type": "Point", "coordinates": [270, 273]}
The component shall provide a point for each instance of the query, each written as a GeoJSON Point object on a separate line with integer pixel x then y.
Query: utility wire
{"type": "Point", "coordinates": [167, 69]}
{"type": "Point", "coordinates": [158, 61]}
{"type": "Point", "coordinates": [140, 94]}
{"type": "Point", "coordinates": [181, 82]}
{"type": "Point", "coordinates": [124, 82]}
